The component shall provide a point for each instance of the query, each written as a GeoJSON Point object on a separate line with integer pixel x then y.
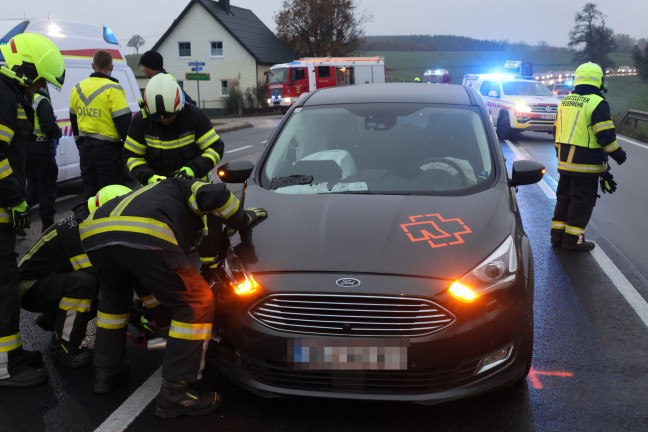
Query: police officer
{"type": "Point", "coordinates": [100, 116]}
{"type": "Point", "coordinates": [42, 170]}
{"type": "Point", "coordinates": [585, 137]}
{"type": "Point", "coordinates": [31, 60]}
{"type": "Point", "coordinates": [147, 236]}
{"type": "Point", "coordinates": [152, 64]}
{"type": "Point", "coordinates": [58, 279]}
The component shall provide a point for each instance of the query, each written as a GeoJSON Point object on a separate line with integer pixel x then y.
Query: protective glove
{"type": "Point", "coordinates": [608, 185]}
{"type": "Point", "coordinates": [154, 179]}
{"type": "Point", "coordinates": [253, 215]}
{"type": "Point", "coordinates": [619, 156]}
{"type": "Point", "coordinates": [184, 172]}
{"type": "Point", "coordinates": [20, 216]}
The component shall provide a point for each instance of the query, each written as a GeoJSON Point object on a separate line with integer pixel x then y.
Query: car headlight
{"type": "Point", "coordinates": [236, 276]}
{"type": "Point", "coordinates": [496, 272]}
{"type": "Point", "coordinates": [523, 108]}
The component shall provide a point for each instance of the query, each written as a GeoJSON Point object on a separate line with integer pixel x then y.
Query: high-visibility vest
{"type": "Point", "coordinates": [40, 135]}
{"type": "Point", "coordinates": [573, 122]}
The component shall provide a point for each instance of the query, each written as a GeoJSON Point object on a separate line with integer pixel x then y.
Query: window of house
{"type": "Point", "coordinates": [216, 49]}
{"type": "Point", "coordinates": [224, 88]}
{"type": "Point", "coordinates": [184, 49]}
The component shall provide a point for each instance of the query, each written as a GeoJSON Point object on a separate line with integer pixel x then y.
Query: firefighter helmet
{"type": "Point", "coordinates": [588, 74]}
{"type": "Point", "coordinates": [105, 194]}
{"type": "Point", "coordinates": [163, 97]}
{"type": "Point", "coordinates": [30, 56]}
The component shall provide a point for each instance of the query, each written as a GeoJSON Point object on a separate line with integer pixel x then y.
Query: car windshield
{"type": "Point", "coordinates": [278, 75]}
{"type": "Point", "coordinates": [522, 88]}
{"type": "Point", "coordinates": [380, 149]}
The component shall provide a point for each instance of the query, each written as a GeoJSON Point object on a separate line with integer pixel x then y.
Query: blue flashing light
{"type": "Point", "coordinates": [109, 36]}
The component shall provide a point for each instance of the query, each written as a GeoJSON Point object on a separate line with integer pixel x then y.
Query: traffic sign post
{"type": "Point", "coordinates": [197, 66]}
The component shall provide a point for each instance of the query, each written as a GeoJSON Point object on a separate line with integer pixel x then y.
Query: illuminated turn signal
{"type": "Point", "coordinates": [462, 292]}
{"type": "Point", "coordinates": [248, 286]}
{"type": "Point", "coordinates": [221, 173]}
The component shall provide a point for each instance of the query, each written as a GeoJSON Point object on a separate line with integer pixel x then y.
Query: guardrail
{"type": "Point", "coordinates": [633, 116]}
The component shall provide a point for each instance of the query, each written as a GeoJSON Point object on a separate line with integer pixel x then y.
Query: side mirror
{"type": "Point", "coordinates": [526, 172]}
{"type": "Point", "coordinates": [235, 171]}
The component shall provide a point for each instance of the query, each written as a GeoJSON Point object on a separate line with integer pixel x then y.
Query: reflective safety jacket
{"type": "Point", "coordinates": [45, 128]}
{"type": "Point", "coordinates": [95, 103]}
{"type": "Point", "coordinates": [584, 132]}
{"type": "Point", "coordinates": [58, 250]}
{"type": "Point", "coordinates": [153, 148]}
{"type": "Point", "coordinates": [16, 126]}
{"type": "Point", "coordinates": [166, 215]}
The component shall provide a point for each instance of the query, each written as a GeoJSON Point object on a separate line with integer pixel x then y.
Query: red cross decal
{"type": "Point", "coordinates": [436, 230]}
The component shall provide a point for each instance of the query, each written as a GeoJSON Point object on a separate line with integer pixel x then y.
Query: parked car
{"type": "Point", "coordinates": [560, 90]}
{"type": "Point", "coordinates": [393, 264]}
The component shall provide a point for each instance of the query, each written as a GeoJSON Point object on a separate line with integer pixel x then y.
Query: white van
{"type": "Point", "coordinates": [77, 42]}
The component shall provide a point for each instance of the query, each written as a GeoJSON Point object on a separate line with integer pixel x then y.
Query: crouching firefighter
{"type": "Point", "coordinates": [58, 280]}
{"type": "Point", "coordinates": [147, 236]}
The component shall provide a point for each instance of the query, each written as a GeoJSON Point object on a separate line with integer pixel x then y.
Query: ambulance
{"type": "Point", "coordinates": [77, 42]}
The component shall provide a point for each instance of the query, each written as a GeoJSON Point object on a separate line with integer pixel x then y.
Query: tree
{"type": "Point", "coordinates": [624, 43]}
{"type": "Point", "coordinates": [316, 28]}
{"type": "Point", "coordinates": [641, 61]}
{"type": "Point", "coordinates": [136, 42]}
{"type": "Point", "coordinates": [590, 33]}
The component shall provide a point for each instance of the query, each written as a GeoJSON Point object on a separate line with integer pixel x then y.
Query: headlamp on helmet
{"type": "Point", "coordinates": [163, 97]}
{"type": "Point", "coordinates": [30, 57]}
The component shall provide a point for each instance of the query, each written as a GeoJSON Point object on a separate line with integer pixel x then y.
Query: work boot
{"type": "Point", "coordinates": [68, 355]}
{"type": "Point", "coordinates": [106, 379]}
{"type": "Point", "coordinates": [176, 398]}
{"type": "Point", "coordinates": [577, 243]}
{"type": "Point", "coordinates": [557, 237]}
{"type": "Point", "coordinates": [27, 377]}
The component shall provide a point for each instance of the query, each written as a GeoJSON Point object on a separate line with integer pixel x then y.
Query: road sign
{"type": "Point", "coordinates": [197, 76]}
{"type": "Point", "coordinates": [196, 69]}
{"type": "Point", "coordinates": [196, 63]}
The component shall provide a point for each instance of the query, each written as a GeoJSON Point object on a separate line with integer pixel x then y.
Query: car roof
{"type": "Point", "coordinates": [392, 92]}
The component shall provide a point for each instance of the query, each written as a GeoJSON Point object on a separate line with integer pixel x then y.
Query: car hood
{"type": "Point", "coordinates": [532, 100]}
{"type": "Point", "coordinates": [429, 236]}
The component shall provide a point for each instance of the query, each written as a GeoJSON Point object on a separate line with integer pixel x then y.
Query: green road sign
{"type": "Point", "coordinates": [197, 76]}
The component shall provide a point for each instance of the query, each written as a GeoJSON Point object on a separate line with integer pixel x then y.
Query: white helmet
{"type": "Point", "coordinates": [163, 96]}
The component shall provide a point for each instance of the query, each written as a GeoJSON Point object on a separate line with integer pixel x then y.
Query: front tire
{"type": "Point", "coordinates": [503, 129]}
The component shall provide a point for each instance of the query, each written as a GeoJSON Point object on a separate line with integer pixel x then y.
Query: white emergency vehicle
{"type": "Point", "coordinates": [515, 104]}
{"type": "Point", "coordinates": [77, 42]}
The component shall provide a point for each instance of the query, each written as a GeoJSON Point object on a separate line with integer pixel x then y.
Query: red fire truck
{"type": "Point", "coordinates": [287, 81]}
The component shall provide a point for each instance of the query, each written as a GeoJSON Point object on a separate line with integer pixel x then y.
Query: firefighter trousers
{"type": "Point", "coordinates": [101, 165]}
{"type": "Point", "coordinates": [176, 284]}
{"type": "Point", "coordinates": [69, 297]}
{"type": "Point", "coordinates": [575, 200]}
{"type": "Point", "coordinates": [42, 174]}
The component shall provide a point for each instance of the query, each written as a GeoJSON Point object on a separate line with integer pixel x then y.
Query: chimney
{"type": "Point", "coordinates": [225, 4]}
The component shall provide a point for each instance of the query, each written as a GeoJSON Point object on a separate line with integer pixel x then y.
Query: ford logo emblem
{"type": "Point", "coordinates": [347, 282]}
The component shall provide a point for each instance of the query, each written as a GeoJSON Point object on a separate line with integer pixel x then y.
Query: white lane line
{"type": "Point", "coordinates": [632, 141]}
{"type": "Point", "coordinates": [622, 284]}
{"type": "Point", "coordinates": [133, 406]}
{"type": "Point", "coordinates": [237, 149]}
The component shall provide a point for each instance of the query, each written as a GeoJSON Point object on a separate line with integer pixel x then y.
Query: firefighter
{"type": "Point", "coordinates": [57, 279]}
{"type": "Point", "coordinates": [42, 170]}
{"type": "Point", "coordinates": [584, 138]}
{"type": "Point", "coordinates": [152, 64]}
{"type": "Point", "coordinates": [31, 60]}
{"type": "Point", "coordinates": [147, 236]}
{"type": "Point", "coordinates": [100, 117]}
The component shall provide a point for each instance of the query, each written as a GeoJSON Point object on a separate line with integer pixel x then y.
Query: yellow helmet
{"type": "Point", "coordinates": [589, 74]}
{"type": "Point", "coordinates": [105, 194]}
{"type": "Point", "coordinates": [31, 56]}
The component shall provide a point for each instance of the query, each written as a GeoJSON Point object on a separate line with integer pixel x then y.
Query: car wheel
{"type": "Point", "coordinates": [503, 126]}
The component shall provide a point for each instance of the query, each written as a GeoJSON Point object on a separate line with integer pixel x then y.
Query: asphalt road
{"type": "Point", "coordinates": [590, 368]}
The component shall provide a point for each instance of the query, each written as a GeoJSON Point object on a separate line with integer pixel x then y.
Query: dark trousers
{"type": "Point", "coordinates": [79, 288]}
{"type": "Point", "coordinates": [101, 165]}
{"type": "Point", "coordinates": [175, 282]}
{"type": "Point", "coordinates": [575, 199]}
{"type": "Point", "coordinates": [42, 174]}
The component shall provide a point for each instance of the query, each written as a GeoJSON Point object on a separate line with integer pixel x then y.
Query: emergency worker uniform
{"type": "Point", "coordinates": [584, 138]}
{"type": "Point", "coordinates": [42, 170]}
{"type": "Point", "coordinates": [100, 116]}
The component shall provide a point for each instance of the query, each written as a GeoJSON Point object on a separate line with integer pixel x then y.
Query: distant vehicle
{"type": "Point", "coordinates": [560, 90]}
{"type": "Point", "coordinates": [389, 286]}
{"type": "Point", "coordinates": [624, 70]}
{"type": "Point", "coordinates": [437, 76]}
{"type": "Point", "coordinates": [77, 42]}
{"type": "Point", "coordinates": [288, 81]}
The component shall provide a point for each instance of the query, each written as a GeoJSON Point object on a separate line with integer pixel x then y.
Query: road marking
{"type": "Point", "coordinates": [632, 141]}
{"type": "Point", "coordinates": [237, 149]}
{"type": "Point", "coordinates": [622, 284]}
{"type": "Point", "coordinates": [133, 406]}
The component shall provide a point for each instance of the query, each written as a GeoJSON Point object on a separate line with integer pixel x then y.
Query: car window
{"type": "Point", "coordinates": [523, 88]}
{"type": "Point", "coordinates": [380, 149]}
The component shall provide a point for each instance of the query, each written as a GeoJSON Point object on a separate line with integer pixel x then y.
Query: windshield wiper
{"type": "Point", "coordinates": [298, 179]}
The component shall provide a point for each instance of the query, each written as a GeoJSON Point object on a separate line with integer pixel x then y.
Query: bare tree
{"type": "Point", "coordinates": [321, 27]}
{"type": "Point", "coordinates": [136, 42]}
{"type": "Point", "coordinates": [592, 37]}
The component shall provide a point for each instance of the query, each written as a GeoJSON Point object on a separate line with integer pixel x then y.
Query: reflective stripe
{"type": "Point", "coordinates": [211, 154]}
{"type": "Point", "coordinates": [4, 215]}
{"type": "Point", "coordinates": [21, 114]}
{"type": "Point", "coordinates": [124, 203]}
{"type": "Point", "coordinates": [121, 112]}
{"type": "Point", "coordinates": [135, 162]}
{"type": "Point", "coordinates": [569, 229]}
{"type": "Point", "coordinates": [582, 167]}
{"type": "Point", "coordinates": [180, 330]}
{"type": "Point", "coordinates": [614, 145]}
{"type": "Point", "coordinates": [24, 286]}
{"type": "Point", "coordinates": [134, 224]}
{"type": "Point", "coordinates": [88, 100]}
{"type": "Point", "coordinates": [112, 322]}
{"type": "Point", "coordinates": [40, 135]}
{"type": "Point", "coordinates": [230, 207]}
{"type": "Point", "coordinates": [99, 136]}
{"type": "Point", "coordinates": [171, 144]}
{"type": "Point", "coordinates": [558, 225]}
{"type": "Point", "coordinates": [573, 129]}
{"type": "Point", "coordinates": [80, 262]}
{"type": "Point", "coordinates": [9, 343]}
{"type": "Point", "coordinates": [207, 139]}
{"type": "Point", "coordinates": [6, 134]}
{"type": "Point", "coordinates": [79, 305]}
{"type": "Point", "coordinates": [570, 155]}
{"type": "Point", "coordinates": [150, 301]}
{"type": "Point", "coordinates": [5, 169]}
{"type": "Point", "coordinates": [47, 237]}
{"type": "Point", "coordinates": [192, 201]}
{"type": "Point", "coordinates": [134, 146]}
{"type": "Point", "coordinates": [604, 125]}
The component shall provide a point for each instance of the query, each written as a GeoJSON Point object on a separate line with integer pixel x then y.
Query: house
{"type": "Point", "coordinates": [229, 43]}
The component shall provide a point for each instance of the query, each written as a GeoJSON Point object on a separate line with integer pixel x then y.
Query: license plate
{"type": "Point", "coordinates": [348, 354]}
{"type": "Point", "coordinates": [548, 116]}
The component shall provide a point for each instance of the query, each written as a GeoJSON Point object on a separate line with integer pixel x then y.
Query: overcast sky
{"type": "Point", "coordinates": [513, 21]}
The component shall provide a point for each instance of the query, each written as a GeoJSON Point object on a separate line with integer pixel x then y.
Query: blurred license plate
{"type": "Point", "coordinates": [348, 354]}
{"type": "Point", "coordinates": [548, 116]}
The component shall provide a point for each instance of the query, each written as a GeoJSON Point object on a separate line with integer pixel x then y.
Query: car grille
{"type": "Point", "coordinates": [351, 315]}
{"type": "Point", "coordinates": [544, 109]}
